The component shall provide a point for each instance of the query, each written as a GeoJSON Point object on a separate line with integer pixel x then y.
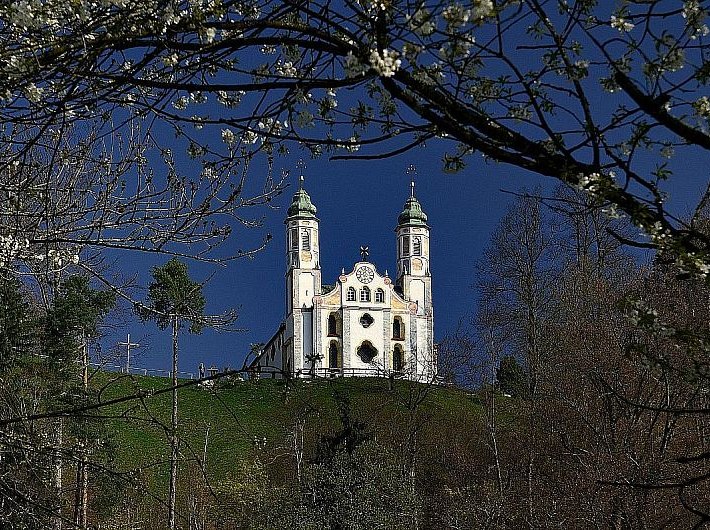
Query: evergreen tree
{"type": "Point", "coordinates": [15, 322]}
{"type": "Point", "coordinates": [511, 377]}
{"type": "Point", "coordinates": [173, 299]}
{"type": "Point", "coordinates": [38, 373]}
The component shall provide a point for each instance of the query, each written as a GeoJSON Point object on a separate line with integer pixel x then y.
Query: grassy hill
{"type": "Point", "coordinates": [240, 439]}
{"type": "Point", "coordinates": [237, 418]}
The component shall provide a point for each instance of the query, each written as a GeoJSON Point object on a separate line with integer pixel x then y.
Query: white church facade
{"type": "Point", "coordinates": [364, 325]}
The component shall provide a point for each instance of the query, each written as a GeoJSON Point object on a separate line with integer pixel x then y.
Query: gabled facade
{"type": "Point", "coordinates": [364, 325]}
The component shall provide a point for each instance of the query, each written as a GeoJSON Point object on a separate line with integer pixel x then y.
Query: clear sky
{"type": "Point", "coordinates": [358, 203]}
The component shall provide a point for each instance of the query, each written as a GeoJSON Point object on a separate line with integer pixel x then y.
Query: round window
{"type": "Point", "coordinates": [367, 352]}
{"type": "Point", "coordinates": [366, 320]}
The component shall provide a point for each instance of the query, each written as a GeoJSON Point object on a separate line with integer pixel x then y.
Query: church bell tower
{"type": "Point", "coordinates": [413, 275]}
{"type": "Point", "coordinates": [303, 276]}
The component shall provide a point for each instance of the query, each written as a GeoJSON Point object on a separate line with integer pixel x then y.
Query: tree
{"type": "Point", "coordinates": [516, 280]}
{"type": "Point", "coordinates": [41, 352]}
{"type": "Point", "coordinates": [614, 419]}
{"type": "Point", "coordinates": [173, 298]}
{"type": "Point", "coordinates": [511, 377]}
{"type": "Point", "coordinates": [518, 81]}
{"type": "Point", "coordinates": [15, 324]}
{"type": "Point", "coordinates": [71, 324]}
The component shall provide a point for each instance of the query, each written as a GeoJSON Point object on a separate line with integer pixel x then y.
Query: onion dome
{"type": "Point", "coordinates": [412, 213]}
{"type": "Point", "coordinates": [301, 206]}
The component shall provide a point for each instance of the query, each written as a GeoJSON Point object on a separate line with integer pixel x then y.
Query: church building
{"type": "Point", "coordinates": [363, 325]}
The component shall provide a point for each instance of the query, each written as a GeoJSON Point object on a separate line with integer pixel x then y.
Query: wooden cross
{"type": "Point", "coordinates": [128, 344]}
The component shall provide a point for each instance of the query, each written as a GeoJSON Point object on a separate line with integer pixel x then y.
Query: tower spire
{"type": "Point", "coordinates": [412, 170]}
{"type": "Point", "coordinates": [301, 165]}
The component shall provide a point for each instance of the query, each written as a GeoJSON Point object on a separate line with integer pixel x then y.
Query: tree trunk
{"type": "Point", "coordinates": [82, 474]}
{"type": "Point", "coordinates": [57, 474]}
{"type": "Point", "coordinates": [173, 431]}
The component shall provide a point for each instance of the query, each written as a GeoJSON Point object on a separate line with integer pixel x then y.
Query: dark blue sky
{"type": "Point", "coordinates": [358, 203]}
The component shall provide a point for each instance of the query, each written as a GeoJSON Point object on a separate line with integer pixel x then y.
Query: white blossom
{"type": "Point", "coordinates": [33, 93]}
{"type": "Point", "coordinates": [702, 107]}
{"type": "Point", "coordinates": [286, 69]}
{"type": "Point", "coordinates": [695, 18]}
{"type": "Point", "coordinates": [228, 137]}
{"type": "Point", "coordinates": [181, 103]}
{"type": "Point", "coordinates": [456, 15]}
{"type": "Point", "coordinates": [250, 137]}
{"type": "Point", "coordinates": [209, 34]}
{"type": "Point", "coordinates": [171, 60]}
{"type": "Point", "coordinates": [594, 183]}
{"type": "Point", "coordinates": [353, 66]}
{"type": "Point", "coordinates": [24, 14]}
{"type": "Point", "coordinates": [520, 112]}
{"type": "Point", "coordinates": [621, 24]}
{"type": "Point", "coordinates": [421, 22]}
{"type": "Point", "coordinates": [385, 64]}
{"type": "Point", "coordinates": [483, 9]}
{"type": "Point", "coordinates": [230, 99]}
{"type": "Point", "coordinates": [271, 126]}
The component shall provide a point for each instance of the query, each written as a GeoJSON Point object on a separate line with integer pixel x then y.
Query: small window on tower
{"type": "Point", "coordinates": [405, 246]}
{"type": "Point", "coordinates": [380, 296]}
{"type": "Point", "coordinates": [350, 296]}
{"type": "Point", "coordinates": [365, 294]}
{"type": "Point", "coordinates": [417, 246]}
{"type": "Point", "coordinates": [306, 237]}
{"type": "Point", "coordinates": [294, 239]}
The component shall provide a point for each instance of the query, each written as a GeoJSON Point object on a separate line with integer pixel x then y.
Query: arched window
{"type": "Point", "coordinates": [306, 239]}
{"type": "Point", "coordinates": [351, 295]}
{"type": "Point", "coordinates": [398, 329]}
{"type": "Point", "coordinates": [417, 246]}
{"type": "Point", "coordinates": [366, 351]}
{"type": "Point", "coordinates": [397, 359]}
{"type": "Point", "coordinates": [333, 354]}
{"type": "Point", "coordinates": [405, 246]}
{"type": "Point", "coordinates": [332, 325]}
{"type": "Point", "coordinates": [380, 296]}
{"type": "Point", "coordinates": [365, 294]}
{"type": "Point", "coordinates": [294, 238]}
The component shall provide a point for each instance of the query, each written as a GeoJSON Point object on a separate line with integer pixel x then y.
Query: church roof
{"type": "Point", "coordinates": [412, 213]}
{"type": "Point", "coordinates": [301, 206]}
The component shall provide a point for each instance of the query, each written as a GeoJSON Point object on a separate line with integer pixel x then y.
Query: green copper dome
{"type": "Point", "coordinates": [412, 213]}
{"type": "Point", "coordinates": [301, 206]}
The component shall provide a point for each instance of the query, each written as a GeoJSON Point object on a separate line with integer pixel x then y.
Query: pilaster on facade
{"type": "Point", "coordinates": [346, 343]}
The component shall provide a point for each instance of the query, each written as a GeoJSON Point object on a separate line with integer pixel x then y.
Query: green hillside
{"type": "Point", "coordinates": [235, 419]}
